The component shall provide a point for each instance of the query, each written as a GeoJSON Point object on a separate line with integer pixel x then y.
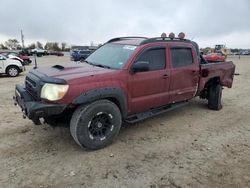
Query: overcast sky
{"type": "Point", "coordinates": [208, 22]}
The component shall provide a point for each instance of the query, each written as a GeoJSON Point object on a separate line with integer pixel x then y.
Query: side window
{"type": "Point", "coordinates": [181, 57]}
{"type": "Point", "coordinates": [156, 58]}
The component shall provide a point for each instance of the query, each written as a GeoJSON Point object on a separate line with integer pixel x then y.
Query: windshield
{"type": "Point", "coordinates": [13, 53]}
{"type": "Point", "coordinates": [2, 57]}
{"type": "Point", "coordinates": [111, 55]}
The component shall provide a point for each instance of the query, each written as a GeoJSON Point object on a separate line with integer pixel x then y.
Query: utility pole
{"type": "Point", "coordinates": [22, 38]}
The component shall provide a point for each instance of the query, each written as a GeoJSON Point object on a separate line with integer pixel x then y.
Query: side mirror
{"type": "Point", "coordinates": [140, 66]}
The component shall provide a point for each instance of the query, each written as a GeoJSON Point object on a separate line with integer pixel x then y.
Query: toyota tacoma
{"type": "Point", "coordinates": [127, 79]}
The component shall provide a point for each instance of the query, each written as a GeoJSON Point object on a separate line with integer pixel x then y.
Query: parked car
{"type": "Point", "coordinates": [39, 52]}
{"type": "Point", "coordinates": [215, 57]}
{"type": "Point", "coordinates": [11, 67]}
{"type": "Point", "coordinates": [18, 56]}
{"type": "Point", "coordinates": [80, 55]}
{"type": "Point", "coordinates": [56, 53]}
{"type": "Point", "coordinates": [127, 79]}
{"type": "Point", "coordinates": [245, 53]}
{"type": "Point", "coordinates": [25, 52]}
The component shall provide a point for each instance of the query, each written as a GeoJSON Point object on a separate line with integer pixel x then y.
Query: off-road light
{"type": "Point", "coordinates": [181, 35]}
{"type": "Point", "coordinates": [171, 35]}
{"type": "Point", "coordinates": [163, 35]}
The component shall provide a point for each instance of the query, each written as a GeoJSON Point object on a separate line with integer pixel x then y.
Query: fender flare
{"type": "Point", "coordinates": [115, 94]}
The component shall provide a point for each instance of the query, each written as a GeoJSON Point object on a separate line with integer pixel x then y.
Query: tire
{"type": "Point", "coordinates": [36, 121]}
{"type": "Point", "coordinates": [82, 60]}
{"type": "Point", "coordinates": [95, 125]}
{"type": "Point", "coordinates": [26, 62]}
{"type": "Point", "coordinates": [214, 97]}
{"type": "Point", "coordinates": [13, 71]}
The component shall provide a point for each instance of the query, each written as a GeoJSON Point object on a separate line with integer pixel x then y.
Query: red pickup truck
{"type": "Point", "coordinates": [126, 79]}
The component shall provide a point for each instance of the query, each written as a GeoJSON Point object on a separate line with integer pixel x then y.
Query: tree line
{"type": "Point", "coordinates": [14, 44]}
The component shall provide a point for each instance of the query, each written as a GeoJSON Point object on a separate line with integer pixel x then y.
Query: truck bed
{"type": "Point", "coordinates": [223, 71]}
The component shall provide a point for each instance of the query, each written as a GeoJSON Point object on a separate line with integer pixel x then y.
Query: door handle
{"type": "Point", "coordinates": [194, 72]}
{"type": "Point", "coordinates": [165, 76]}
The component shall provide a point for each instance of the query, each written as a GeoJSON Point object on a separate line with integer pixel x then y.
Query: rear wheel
{"type": "Point", "coordinates": [95, 125]}
{"type": "Point", "coordinates": [13, 71]}
{"type": "Point", "coordinates": [214, 97]}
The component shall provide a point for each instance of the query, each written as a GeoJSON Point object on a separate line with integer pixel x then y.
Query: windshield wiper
{"type": "Point", "coordinates": [98, 65]}
{"type": "Point", "coordinates": [85, 61]}
{"type": "Point", "coordinates": [103, 66]}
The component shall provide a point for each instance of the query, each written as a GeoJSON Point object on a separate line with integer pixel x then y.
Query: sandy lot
{"type": "Point", "coordinates": [189, 147]}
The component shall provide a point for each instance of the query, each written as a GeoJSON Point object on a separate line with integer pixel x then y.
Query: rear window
{"type": "Point", "coordinates": [181, 57]}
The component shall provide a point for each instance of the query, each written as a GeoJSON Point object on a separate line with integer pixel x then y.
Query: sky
{"type": "Point", "coordinates": [78, 22]}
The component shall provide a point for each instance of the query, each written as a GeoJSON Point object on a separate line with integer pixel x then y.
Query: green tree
{"type": "Point", "coordinates": [2, 47]}
{"type": "Point", "coordinates": [63, 46]}
{"type": "Point", "coordinates": [39, 45]}
{"type": "Point", "coordinates": [12, 43]}
{"type": "Point", "coordinates": [56, 46]}
{"type": "Point", "coordinates": [206, 50]}
{"type": "Point", "coordinates": [32, 46]}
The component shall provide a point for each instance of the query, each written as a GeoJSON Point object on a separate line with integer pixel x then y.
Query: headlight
{"type": "Point", "coordinates": [53, 92]}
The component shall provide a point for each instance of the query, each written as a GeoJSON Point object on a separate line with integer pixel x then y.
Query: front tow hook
{"type": "Point", "coordinates": [14, 99]}
{"type": "Point", "coordinates": [24, 115]}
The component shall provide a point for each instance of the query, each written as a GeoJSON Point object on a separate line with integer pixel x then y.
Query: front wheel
{"type": "Point", "coordinates": [13, 71]}
{"type": "Point", "coordinates": [95, 125]}
{"type": "Point", "coordinates": [214, 97]}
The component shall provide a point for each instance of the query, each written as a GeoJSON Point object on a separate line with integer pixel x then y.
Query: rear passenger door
{"type": "Point", "coordinates": [184, 73]}
{"type": "Point", "coordinates": [149, 88]}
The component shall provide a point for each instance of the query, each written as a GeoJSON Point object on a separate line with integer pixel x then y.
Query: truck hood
{"type": "Point", "coordinates": [73, 70]}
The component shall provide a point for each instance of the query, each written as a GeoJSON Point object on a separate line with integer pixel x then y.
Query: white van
{"type": "Point", "coordinates": [11, 67]}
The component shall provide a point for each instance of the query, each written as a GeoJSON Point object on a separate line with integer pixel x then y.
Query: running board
{"type": "Point", "coordinates": [154, 112]}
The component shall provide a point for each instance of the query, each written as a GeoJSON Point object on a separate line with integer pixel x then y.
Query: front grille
{"type": "Point", "coordinates": [30, 81]}
{"type": "Point", "coordinates": [32, 86]}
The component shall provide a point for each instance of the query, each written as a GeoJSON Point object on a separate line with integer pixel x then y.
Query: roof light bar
{"type": "Point", "coordinates": [171, 35]}
{"type": "Point", "coordinates": [163, 35]}
{"type": "Point", "coordinates": [181, 35]}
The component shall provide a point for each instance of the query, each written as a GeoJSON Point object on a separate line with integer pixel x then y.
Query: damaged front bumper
{"type": "Point", "coordinates": [35, 110]}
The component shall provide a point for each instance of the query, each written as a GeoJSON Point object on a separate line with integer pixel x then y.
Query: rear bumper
{"type": "Point", "coordinates": [35, 109]}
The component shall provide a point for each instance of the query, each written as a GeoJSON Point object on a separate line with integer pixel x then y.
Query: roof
{"type": "Point", "coordinates": [135, 42]}
{"type": "Point", "coordinates": [144, 40]}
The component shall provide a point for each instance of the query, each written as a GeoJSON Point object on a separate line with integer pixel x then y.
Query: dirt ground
{"type": "Point", "coordinates": [188, 147]}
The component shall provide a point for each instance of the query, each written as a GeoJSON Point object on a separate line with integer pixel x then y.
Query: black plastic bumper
{"type": "Point", "coordinates": [35, 109]}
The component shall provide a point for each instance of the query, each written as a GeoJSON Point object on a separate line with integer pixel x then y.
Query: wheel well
{"type": "Point", "coordinates": [113, 94]}
{"type": "Point", "coordinates": [114, 100]}
{"type": "Point", "coordinates": [11, 66]}
{"type": "Point", "coordinates": [211, 81]}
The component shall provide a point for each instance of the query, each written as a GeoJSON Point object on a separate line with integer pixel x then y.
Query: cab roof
{"type": "Point", "coordinates": [137, 41]}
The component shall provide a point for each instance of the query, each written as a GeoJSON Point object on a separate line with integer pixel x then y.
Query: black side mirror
{"type": "Point", "coordinates": [140, 66]}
